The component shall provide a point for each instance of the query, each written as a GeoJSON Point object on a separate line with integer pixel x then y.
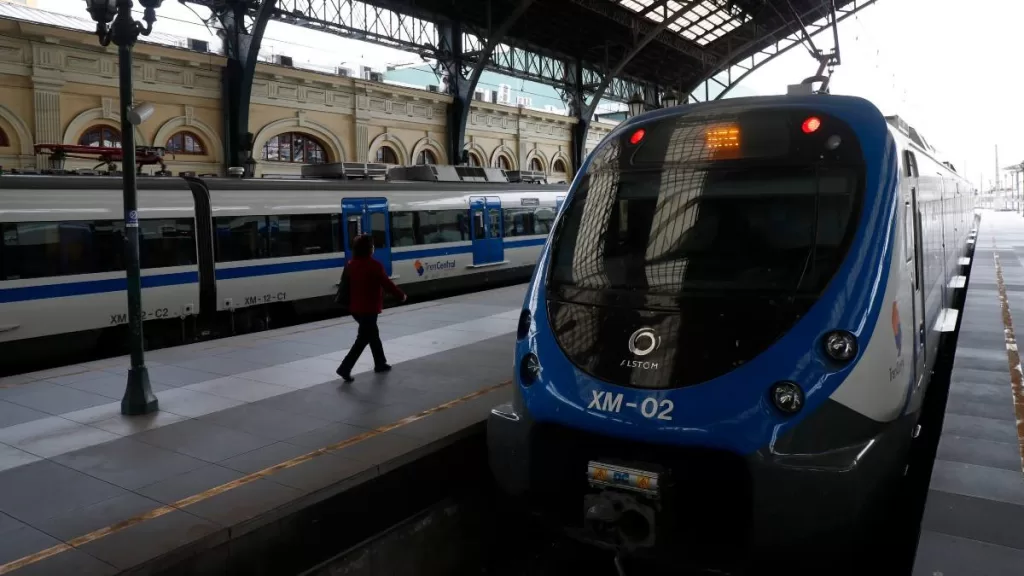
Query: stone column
{"type": "Point", "coordinates": [48, 130]}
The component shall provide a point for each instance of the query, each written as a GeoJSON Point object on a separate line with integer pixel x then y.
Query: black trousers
{"type": "Point", "coordinates": [368, 334]}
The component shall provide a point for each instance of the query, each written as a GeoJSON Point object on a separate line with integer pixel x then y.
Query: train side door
{"type": "Point", "coordinates": [368, 216]}
{"type": "Point", "coordinates": [915, 262]}
{"type": "Point", "coordinates": [486, 228]}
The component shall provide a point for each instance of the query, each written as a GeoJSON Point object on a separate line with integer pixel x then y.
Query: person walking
{"type": "Point", "coordinates": [367, 281]}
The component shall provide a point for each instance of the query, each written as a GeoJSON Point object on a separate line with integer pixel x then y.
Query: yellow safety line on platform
{"type": "Point", "coordinates": [161, 511]}
{"type": "Point", "coordinates": [1012, 356]}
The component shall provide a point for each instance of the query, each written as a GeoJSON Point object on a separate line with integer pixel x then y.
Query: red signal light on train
{"type": "Point", "coordinates": [637, 136]}
{"type": "Point", "coordinates": [811, 125]}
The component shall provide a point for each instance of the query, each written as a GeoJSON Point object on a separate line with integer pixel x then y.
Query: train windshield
{"type": "Point", "coordinates": [760, 201]}
{"type": "Point", "coordinates": [682, 230]}
{"type": "Point", "coordinates": [716, 233]}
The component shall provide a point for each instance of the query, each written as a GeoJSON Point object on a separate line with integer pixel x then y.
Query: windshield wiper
{"type": "Point", "coordinates": [812, 252]}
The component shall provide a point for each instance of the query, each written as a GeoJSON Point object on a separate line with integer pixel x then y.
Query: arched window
{"type": "Point", "coordinates": [503, 163]}
{"type": "Point", "coordinates": [387, 155]}
{"type": "Point", "coordinates": [185, 143]}
{"type": "Point", "coordinates": [426, 157]}
{"type": "Point", "coordinates": [294, 147]}
{"type": "Point", "coordinates": [101, 137]}
{"type": "Point", "coordinates": [536, 166]}
{"type": "Point", "coordinates": [560, 167]}
{"type": "Point", "coordinates": [4, 140]}
{"type": "Point", "coordinates": [474, 160]}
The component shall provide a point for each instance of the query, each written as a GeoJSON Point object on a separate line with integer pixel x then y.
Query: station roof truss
{"type": "Point", "coordinates": [701, 48]}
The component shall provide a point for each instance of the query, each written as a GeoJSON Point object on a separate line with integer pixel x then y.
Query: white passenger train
{"type": "Point", "coordinates": [220, 250]}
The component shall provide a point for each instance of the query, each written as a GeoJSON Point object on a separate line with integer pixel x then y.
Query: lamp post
{"type": "Point", "coordinates": [636, 105]}
{"type": "Point", "coordinates": [114, 23]}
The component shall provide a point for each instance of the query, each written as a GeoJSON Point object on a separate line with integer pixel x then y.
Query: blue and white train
{"type": "Point", "coordinates": [219, 248]}
{"type": "Point", "coordinates": [732, 326]}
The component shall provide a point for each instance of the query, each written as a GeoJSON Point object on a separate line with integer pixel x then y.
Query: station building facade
{"type": "Point", "coordinates": [60, 86]}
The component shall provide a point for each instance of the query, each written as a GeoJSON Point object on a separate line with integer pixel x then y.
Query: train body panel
{"type": "Point", "coordinates": [761, 283]}
{"type": "Point", "coordinates": [242, 244]}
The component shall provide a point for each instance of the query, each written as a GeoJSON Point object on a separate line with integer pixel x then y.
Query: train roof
{"type": "Point", "coordinates": [51, 197]}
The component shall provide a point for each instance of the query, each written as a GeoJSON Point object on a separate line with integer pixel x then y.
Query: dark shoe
{"type": "Point", "coordinates": [382, 368]}
{"type": "Point", "coordinates": [346, 376]}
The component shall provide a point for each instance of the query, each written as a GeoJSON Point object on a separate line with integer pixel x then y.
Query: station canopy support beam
{"type": "Point", "coordinates": [241, 46]}
{"type": "Point", "coordinates": [584, 111]}
{"type": "Point", "coordinates": [462, 76]}
{"type": "Point", "coordinates": [747, 58]}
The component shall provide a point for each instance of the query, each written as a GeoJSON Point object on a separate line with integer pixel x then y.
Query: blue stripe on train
{"type": "Point", "coordinates": [93, 287]}
{"type": "Point", "coordinates": [156, 280]}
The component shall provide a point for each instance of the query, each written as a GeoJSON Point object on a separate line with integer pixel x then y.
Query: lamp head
{"type": "Point", "coordinates": [139, 114]}
{"type": "Point", "coordinates": [102, 11]}
{"type": "Point", "coordinates": [636, 105]}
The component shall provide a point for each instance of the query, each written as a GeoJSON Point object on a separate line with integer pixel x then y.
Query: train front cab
{"type": "Point", "coordinates": [714, 279]}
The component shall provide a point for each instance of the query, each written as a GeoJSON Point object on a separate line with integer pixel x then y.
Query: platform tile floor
{"type": "Point", "coordinates": [973, 523]}
{"type": "Point", "coordinates": [70, 463]}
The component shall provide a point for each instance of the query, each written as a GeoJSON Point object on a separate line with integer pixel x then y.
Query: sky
{"type": "Point", "coordinates": [947, 68]}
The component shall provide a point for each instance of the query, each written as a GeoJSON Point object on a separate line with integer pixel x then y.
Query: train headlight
{"type": "Point", "coordinates": [788, 397]}
{"type": "Point", "coordinates": [525, 320]}
{"type": "Point", "coordinates": [529, 369]}
{"type": "Point", "coordinates": [840, 345]}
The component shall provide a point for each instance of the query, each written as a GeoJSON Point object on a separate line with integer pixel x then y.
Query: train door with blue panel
{"type": "Point", "coordinates": [487, 229]}
{"type": "Point", "coordinates": [368, 216]}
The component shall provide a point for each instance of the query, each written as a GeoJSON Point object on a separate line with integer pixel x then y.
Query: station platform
{"type": "Point", "coordinates": [250, 429]}
{"type": "Point", "coordinates": [973, 522]}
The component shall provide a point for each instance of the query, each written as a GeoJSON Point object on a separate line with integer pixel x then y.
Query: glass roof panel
{"type": "Point", "coordinates": [703, 23]}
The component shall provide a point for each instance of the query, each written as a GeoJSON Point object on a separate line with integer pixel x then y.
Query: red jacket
{"type": "Point", "coordinates": [367, 279]}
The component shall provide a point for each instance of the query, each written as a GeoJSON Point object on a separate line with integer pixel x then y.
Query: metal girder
{"type": "Point", "coordinates": [242, 46]}
{"type": "Point", "coordinates": [461, 86]}
{"type": "Point", "coordinates": [363, 21]}
{"type": "Point", "coordinates": [634, 50]}
{"type": "Point", "coordinates": [379, 24]}
{"type": "Point", "coordinates": [717, 83]}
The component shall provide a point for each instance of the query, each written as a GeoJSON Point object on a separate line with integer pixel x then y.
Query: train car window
{"type": "Point", "coordinates": [108, 241]}
{"type": "Point", "coordinates": [50, 249]}
{"type": "Point", "coordinates": [303, 234]}
{"type": "Point", "coordinates": [379, 229]}
{"type": "Point", "coordinates": [403, 229]}
{"type": "Point", "coordinates": [518, 222]}
{"type": "Point", "coordinates": [440, 226]}
{"type": "Point", "coordinates": [479, 230]}
{"type": "Point", "coordinates": [908, 233]}
{"type": "Point", "coordinates": [495, 222]}
{"type": "Point", "coordinates": [77, 252]}
{"type": "Point", "coordinates": [32, 250]}
{"type": "Point", "coordinates": [353, 228]}
{"type": "Point", "coordinates": [544, 219]}
{"type": "Point", "coordinates": [910, 164]}
{"type": "Point", "coordinates": [166, 242]}
{"type": "Point", "coordinates": [240, 238]}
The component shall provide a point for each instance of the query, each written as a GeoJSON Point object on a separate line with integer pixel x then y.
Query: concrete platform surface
{"type": "Point", "coordinates": [247, 425]}
{"type": "Point", "coordinates": [973, 521]}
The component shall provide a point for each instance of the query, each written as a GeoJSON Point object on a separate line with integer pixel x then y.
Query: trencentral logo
{"type": "Point", "coordinates": [422, 268]}
{"type": "Point", "coordinates": [897, 329]}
